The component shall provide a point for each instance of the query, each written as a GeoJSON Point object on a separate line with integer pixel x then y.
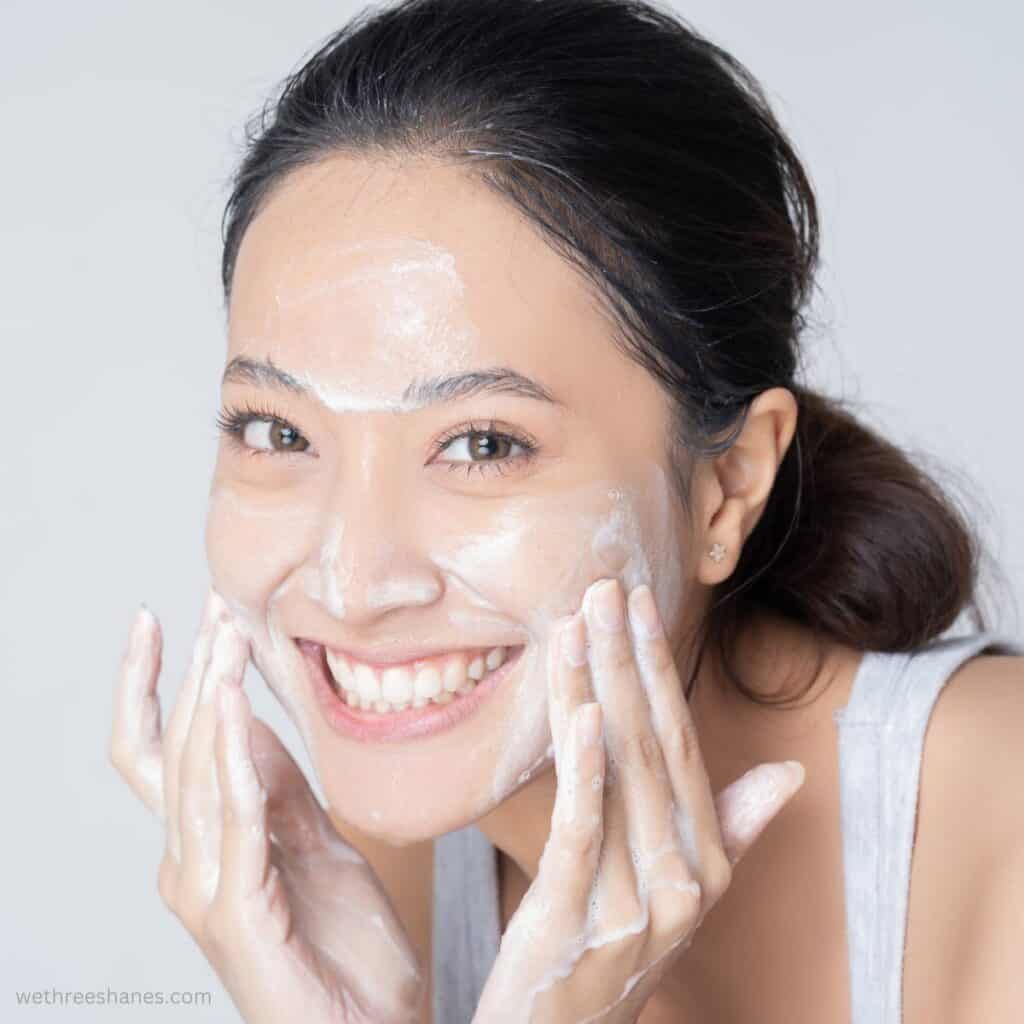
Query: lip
{"type": "Point", "coordinates": [393, 657]}
{"type": "Point", "coordinates": [395, 726]}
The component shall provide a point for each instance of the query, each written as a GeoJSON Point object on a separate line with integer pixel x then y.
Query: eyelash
{"type": "Point", "coordinates": [232, 422]}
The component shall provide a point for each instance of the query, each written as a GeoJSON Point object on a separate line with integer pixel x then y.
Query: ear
{"type": "Point", "coordinates": [741, 479]}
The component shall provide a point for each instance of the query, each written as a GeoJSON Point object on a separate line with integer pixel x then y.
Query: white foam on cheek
{"type": "Point", "coordinates": [278, 660]}
{"type": "Point", "coordinates": [479, 565]}
{"type": "Point", "coordinates": [287, 670]}
{"type": "Point", "coordinates": [619, 545]}
{"type": "Point", "coordinates": [334, 579]}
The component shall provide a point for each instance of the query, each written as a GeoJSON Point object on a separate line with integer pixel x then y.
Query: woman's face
{"type": "Point", "coordinates": [348, 513]}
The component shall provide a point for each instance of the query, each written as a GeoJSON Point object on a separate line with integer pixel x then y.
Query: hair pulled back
{"type": "Point", "coordinates": [650, 158]}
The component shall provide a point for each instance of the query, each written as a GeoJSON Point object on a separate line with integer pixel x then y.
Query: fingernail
{"type": "Point", "coordinates": [218, 607]}
{"type": "Point", "coordinates": [574, 642]}
{"type": "Point", "coordinates": [606, 598]}
{"type": "Point", "coordinates": [643, 613]}
{"type": "Point", "coordinates": [209, 607]}
{"type": "Point", "coordinates": [589, 724]}
{"type": "Point", "coordinates": [772, 784]}
{"type": "Point", "coordinates": [753, 800]}
{"type": "Point", "coordinates": [796, 771]}
{"type": "Point", "coordinates": [225, 648]}
{"type": "Point", "coordinates": [143, 619]}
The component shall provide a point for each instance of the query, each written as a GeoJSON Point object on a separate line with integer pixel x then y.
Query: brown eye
{"type": "Point", "coordinates": [273, 435]}
{"type": "Point", "coordinates": [481, 446]}
{"type": "Point", "coordinates": [286, 438]}
{"type": "Point", "coordinates": [484, 448]}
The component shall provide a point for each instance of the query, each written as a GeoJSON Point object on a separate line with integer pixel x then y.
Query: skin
{"type": "Point", "coordinates": [485, 559]}
{"type": "Point", "coordinates": [357, 278]}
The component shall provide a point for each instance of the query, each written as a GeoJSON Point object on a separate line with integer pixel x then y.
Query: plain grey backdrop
{"type": "Point", "coordinates": [121, 123]}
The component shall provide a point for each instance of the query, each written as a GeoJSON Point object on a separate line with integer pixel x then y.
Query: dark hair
{"type": "Point", "coordinates": [650, 158]}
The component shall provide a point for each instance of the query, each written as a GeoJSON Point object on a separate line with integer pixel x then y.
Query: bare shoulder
{"type": "Point", "coordinates": [965, 912]}
{"type": "Point", "coordinates": [973, 759]}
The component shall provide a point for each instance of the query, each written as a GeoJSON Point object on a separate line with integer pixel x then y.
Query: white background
{"type": "Point", "coordinates": [121, 123]}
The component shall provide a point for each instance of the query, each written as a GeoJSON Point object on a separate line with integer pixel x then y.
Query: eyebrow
{"type": "Point", "coordinates": [433, 390]}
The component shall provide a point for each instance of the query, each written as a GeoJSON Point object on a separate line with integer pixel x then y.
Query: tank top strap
{"type": "Point", "coordinates": [881, 739]}
{"type": "Point", "coordinates": [466, 922]}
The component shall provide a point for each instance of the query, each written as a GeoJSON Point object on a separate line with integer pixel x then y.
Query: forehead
{"type": "Point", "coordinates": [371, 274]}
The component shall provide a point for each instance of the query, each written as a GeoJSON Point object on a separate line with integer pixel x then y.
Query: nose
{"type": "Point", "coordinates": [372, 559]}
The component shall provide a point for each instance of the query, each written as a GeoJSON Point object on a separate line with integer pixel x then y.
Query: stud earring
{"type": "Point", "coordinates": [717, 551]}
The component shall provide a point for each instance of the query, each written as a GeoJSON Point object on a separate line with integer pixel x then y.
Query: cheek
{"type": "Point", "coordinates": [252, 548]}
{"type": "Point", "coordinates": [252, 545]}
{"type": "Point", "coordinates": [537, 559]}
{"type": "Point", "coordinates": [535, 566]}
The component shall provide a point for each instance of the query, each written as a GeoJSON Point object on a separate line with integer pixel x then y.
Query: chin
{"type": "Point", "coordinates": [404, 775]}
{"type": "Point", "coordinates": [395, 825]}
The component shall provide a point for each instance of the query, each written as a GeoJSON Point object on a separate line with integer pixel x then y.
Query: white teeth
{"type": "Point", "coordinates": [454, 674]}
{"type": "Point", "coordinates": [397, 688]}
{"type": "Point", "coordinates": [427, 683]}
{"type": "Point", "coordinates": [367, 683]}
{"type": "Point", "coordinates": [340, 670]}
{"type": "Point", "coordinates": [396, 685]}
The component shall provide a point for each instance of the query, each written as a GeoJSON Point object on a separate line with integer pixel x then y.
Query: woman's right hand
{"type": "Point", "coordinates": [289, 915]}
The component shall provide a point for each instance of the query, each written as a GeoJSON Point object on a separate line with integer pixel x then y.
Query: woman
{"type": "Point", "coordinates": [522, 513]}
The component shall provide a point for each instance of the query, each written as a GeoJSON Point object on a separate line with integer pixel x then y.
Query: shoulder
{"type": "Point", "coordinates": [967, 898]}
{"type": "Point", "coordinates": [973, 759]}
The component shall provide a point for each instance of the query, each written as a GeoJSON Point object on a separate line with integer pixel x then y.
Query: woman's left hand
{"type": "Point", "coordinates": [634, 860]}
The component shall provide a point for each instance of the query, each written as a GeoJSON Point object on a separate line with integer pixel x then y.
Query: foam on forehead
{"type": "Point", "coordinates": [405, 292]}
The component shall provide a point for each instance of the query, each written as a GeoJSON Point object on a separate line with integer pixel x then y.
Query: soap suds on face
{"type": "Point", "coordinates": [277, 659]}
{"type": "Point", "coordinates": [357, 323]}
{"type": "Point", "coordinates": [393, 593]}
{"type": "Point", "coordinates": [409, 292]}
{"type": "Point", "coordinates": [335, 580]}
{"type": "Point", "coordinates": [499, 586]}
{"type": "Point", "coordinates": [366, 306]}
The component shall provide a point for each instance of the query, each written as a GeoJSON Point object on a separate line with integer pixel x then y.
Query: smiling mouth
{"type": "Point", "coordinates": [397, 723]}
{"type": "Point", "coordinates": [430, 681]}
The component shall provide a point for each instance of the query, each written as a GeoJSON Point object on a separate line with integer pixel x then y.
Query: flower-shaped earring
{"type": "Point", "coordinates": [717, 551]}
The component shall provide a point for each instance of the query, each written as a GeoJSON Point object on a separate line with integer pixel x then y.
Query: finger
{"type": "Point", "coordinates": [296, 820]}
{"type": "Point", "coordinates": [638, 766]}
{"type": "Point", "coordinates": [214, 611]}
{"type": "Point", "coordinates": [199, 798]}
{"type": "Point", "coordinates": [245, 844]}
{"type": "Point", "coordinates": [570, 859]}
{"type": "Point", "coordinates": [568, 677]}
{"type": "Point", "coordinates": [696, 819]}
{"type": "Point", "coordinates": [135, 738]}
{"type": "Point", "coordinates": [747, 805]}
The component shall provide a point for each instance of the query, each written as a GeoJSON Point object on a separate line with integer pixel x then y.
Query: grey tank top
{"type": "Point", "coordinates": [881, 740]}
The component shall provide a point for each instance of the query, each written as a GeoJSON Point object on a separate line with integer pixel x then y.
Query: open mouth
{"type": "Point", "coordinates": [403, 702]}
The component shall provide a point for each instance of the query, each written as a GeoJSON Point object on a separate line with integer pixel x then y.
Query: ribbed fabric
{"type": "Point", "coordinates": [466, 922]}
{"type": "Point", "coordinates": [881, 740]}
